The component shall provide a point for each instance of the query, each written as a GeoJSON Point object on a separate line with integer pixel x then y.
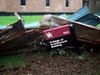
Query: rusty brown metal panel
{"type": "Point", "coordinates": [19, 41]}
{"type": "Point", "coordinates": [87, 33]}
{"type": "Point", "coordinates": [16, 37]}
{"type": "Point", "coordinates": [11, 30]}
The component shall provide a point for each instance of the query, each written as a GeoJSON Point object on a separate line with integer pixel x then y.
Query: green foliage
{"type": "Point", "coordinates": [98, 26]}
{"type": "Point", "coordinates": [12, 61]}
{"type": "Point", "coordinates": [59, 51]}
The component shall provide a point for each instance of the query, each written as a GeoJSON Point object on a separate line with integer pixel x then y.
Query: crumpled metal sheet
{"type": "Point", "coordinates": [11, 31]}
{"type": "Point", "coordinates": [84, 15]}
{"type": "Point", "coordinates": [50, 21]}
{"type": "Point", "coordinates": [84, 32]}
{"type": "Point", "coordinates": [90, 19]}
{"type": "Point", "coordinates": [87, 33]}
{"type": "Point", "coordinates": [15, 37]}
{"type": "Point", "coordinates": [19, 41]}
{"type": "Point", "coordinates": [80, 13]}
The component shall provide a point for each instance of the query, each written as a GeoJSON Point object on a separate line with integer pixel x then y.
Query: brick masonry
{"type": "Point", "coordinates": [40, 6]}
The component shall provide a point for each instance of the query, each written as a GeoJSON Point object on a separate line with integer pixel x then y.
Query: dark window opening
{"type": "Point", "coordinates": [47, 2]}
{"type": "Point", "coordinates": [67, 3]}
{"type": "Point", "coordinates": [23, 2]}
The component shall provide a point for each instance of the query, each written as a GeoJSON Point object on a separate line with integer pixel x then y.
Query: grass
{"type": "Point", "coordinates": [12, 61]}
{"type": "Point", "coordinates": [7, 20]}
{"type": "Point", "coordinates": [98, 26]}
{"type": "Point", "coordinates": [29, 19]}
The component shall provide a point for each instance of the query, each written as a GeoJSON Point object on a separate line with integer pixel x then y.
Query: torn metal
{"type": "Point", "coordinates": [15, 37]}
{"type": "Point", "coordinates": [84, 15]}
{"type": "Point", "coordinates": [84, 32]}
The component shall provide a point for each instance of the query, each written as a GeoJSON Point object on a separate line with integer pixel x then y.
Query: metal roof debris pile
{"type": "Point", "coordinates": [19, 35]}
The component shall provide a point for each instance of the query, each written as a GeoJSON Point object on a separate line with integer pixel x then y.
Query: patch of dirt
{"type": "Point", "coordinates": [43, 64]}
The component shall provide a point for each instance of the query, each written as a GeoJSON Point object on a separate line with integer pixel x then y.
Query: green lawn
{"type": "Point", "coordinates": [11, 61]}
{"type": "Point", "coordinates": [6, 20]}
{"type": "Point", "coordinates": [98, 25]}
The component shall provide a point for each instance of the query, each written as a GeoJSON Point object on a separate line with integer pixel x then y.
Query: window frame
{"type": "Point", "coordinates": [67, 3]}
{"type": "Point", "coordinates": [47, 2]}
{"type": "Point", "coordinates": [23, 2]}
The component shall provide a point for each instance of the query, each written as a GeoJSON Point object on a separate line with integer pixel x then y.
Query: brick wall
{"type": "Point", "coordinates": [40, 6]}
{"type": "Point", "coordinates": [2, 6]}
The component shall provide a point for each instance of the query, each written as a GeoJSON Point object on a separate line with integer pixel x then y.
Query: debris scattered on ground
{"type": "Point", "coordinates": [19, 35]}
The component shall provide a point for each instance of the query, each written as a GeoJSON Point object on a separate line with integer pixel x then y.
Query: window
{"type": "Point", "coordinates": [47, 2]}
{"type": "Point", "coordinates": [67, 3]}
{"type": "Point", "coordinates": [22, 2]}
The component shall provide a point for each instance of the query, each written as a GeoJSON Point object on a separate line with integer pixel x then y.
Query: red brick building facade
{"type": "Point", "coordinates": [40, 5]}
